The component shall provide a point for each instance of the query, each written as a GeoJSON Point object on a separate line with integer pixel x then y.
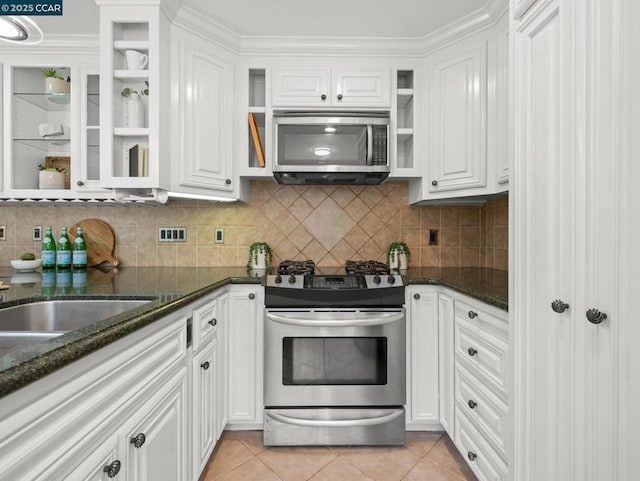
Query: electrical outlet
{"type": "Point", "coordinates": [219, 236]}
{"type": "Point", "coordinates": [3, 232]}
{"type": "Point", "coordinates": [433, 237]}
{"type": "Point", "coordinates": [37, 232]}
{"type": "Point", "coordinates": [172, 234]}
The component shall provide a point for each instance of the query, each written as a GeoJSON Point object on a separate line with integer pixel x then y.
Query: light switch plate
{"type": "Point", "coordinates": [219, 236]}
{"type": "Point", "coordinates": [37, 232]}
{"type": "Point", "coordinates": [3, 232]}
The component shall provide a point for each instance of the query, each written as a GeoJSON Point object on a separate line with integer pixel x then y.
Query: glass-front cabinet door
{"type": "Point", "coordinates": [40, 128]}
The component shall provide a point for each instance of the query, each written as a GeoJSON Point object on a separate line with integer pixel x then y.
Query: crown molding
{"type": "Point", "coordinates": [170, 7]}
{"type": "Point", "coordinates": [57, 44]}
{"type": "Point", "coordinates": [194, 22]}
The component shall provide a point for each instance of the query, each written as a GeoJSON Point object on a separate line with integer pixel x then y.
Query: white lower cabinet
{"type": "Point", "coordinates": [422, 358]}
{"type": "Point", "coordinates": [81, 421]}
{"type": "Point", "coordinates": [446, 362]}
{"type": "Point", "coordinates": [203, 406]}
{"type": "Point", "coordinates": [245, 329]}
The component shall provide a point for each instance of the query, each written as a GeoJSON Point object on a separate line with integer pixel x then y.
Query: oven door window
{"type": "Point", "coordinates": [334, 361]}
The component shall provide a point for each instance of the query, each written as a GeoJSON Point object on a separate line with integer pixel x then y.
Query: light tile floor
{"type": "Point", "coordinates": [426, 456]}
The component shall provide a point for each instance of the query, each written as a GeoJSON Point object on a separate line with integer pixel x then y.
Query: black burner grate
{"type": "Point", "coordinates": [288, 267]}
{"type": "Point", "coordinates": [366, 267]}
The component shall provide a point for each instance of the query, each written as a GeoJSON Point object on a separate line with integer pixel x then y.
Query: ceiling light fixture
{"type": "Point", "coordinates": [20, 30]}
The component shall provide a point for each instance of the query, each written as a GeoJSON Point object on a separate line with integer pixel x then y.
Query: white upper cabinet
{"type": "Point", "coordinates": [203, 117]}
{"type": "Point", "coordinates": [457, 78]}
{"type": "Point", "coordinates": [331, 87]}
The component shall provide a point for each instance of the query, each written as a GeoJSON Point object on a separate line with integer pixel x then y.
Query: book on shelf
{"type": "Point", "coordinates": [139, 161]}
{"type": "Point", "coordinates": [255, 135]}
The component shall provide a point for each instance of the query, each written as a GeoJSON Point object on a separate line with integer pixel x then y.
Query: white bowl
{"type": "Point", "coordinates": [20, 265]}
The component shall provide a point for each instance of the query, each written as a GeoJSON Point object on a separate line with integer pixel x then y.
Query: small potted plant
{"type": "Point", "coordinates": [398, 255]}
{"type": "Point", "coordinates": [50, 177]}
{"type": "Point", "coordinates": [259, 256]}
{"type": "Point", "coordinates": [54, 83]}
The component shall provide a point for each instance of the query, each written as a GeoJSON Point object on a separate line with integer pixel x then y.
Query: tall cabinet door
{"type": "Point", "coordinates": [544, 253]}
{"type": "Point", "coordinates": [457, 113]}
{"type": "Point", "coordinates": [205, 119]}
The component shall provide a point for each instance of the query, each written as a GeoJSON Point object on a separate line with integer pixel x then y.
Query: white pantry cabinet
{"type": "Point", "coordinates": [422, 358]}
{"type": "Point", "coordinates": [573, 251]}
{"type": "Point", "coordinates": [122, 408]}
{"type": "Point", "coordinates": [203, 117]}
{"type": "Point", "coordinates": [245, 330]}
{"type": "Point", "coordinates": [303, 86]}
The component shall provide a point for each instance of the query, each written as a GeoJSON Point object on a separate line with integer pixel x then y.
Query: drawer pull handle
{"type": "Point", "coordinates": [559, 306]}
{"type": "Point", "coordinates": [252, 296]}
{"type": "Point", "coordinates": [416, 296]}
{"type": "Point", "coordinates": [205, 365]}
{"type": "Point", "coordinates": [472, 404]}
{"type": "Point", "coordinates": [472, 351]}
{"type": "Point", "coordinates": [138, 441]}
{"type": "Point", "coordinates": [472, 456]}
{"type": "Point", "coordinates": [213, 322]}
{"type": "Point", "coordinates": [472, 315]}
{"type": "Point", "coordinates": [594, 316]}
{"type": "Point", "coordinates": [112, 469]}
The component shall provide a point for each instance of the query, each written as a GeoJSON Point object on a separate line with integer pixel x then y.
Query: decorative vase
{"type": "Point", "coordinates": [398, 261]}
{"type": "Point", "coordinates": [133, 112]}
{"type": "Point", "coordinates": [54, 86]}
{"type": "Point", "coordinates": [48, 179]}
{"type": "Point", "coordinates": [259, 261]}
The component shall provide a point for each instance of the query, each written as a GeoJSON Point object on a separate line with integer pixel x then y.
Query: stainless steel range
{"type": "Point", "coordinates": [334, 356]}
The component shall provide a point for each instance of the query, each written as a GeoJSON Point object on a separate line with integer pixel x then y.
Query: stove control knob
{"type": "Point", "coordinates": [376, 279]}
{"type": "Point", "coordinates": [292, 279]}
{"type": "Point", "coordinates": [278, 279]}
{"type": "Point", "coordinates": [391, 279]}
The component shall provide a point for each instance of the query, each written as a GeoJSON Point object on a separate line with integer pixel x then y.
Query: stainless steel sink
{"type": "Point", "coordinates": [29, 324]}
{"type": "Point", "coordinates": [62, 315]}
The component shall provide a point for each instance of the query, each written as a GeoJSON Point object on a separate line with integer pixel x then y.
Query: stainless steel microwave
{"type": "Point", "coordinates": [331, 147]}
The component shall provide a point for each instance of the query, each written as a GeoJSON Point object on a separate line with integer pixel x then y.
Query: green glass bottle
{"type": "Point", "coordinates": [63, 254]}
{"type": "Point", "coordinates": [79, 251]}
{"type": "Point", "coordinates": [48, 251]}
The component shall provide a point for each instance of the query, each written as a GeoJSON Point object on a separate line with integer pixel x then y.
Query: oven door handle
{"type": "Point", "coordinates": [335, 423]}
{"type": "Point", "coordinates": [299, 320]}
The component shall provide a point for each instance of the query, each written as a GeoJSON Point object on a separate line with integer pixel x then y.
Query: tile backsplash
{"type": "Point", "coordinates": [328, 224]}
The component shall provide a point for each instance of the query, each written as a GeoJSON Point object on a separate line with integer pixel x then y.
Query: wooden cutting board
{"type": "Point", "coordinates": [100, 239]}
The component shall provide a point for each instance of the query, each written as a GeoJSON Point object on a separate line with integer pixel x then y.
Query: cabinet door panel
{"type": "Point", "coordinates": [422, 362]}
{"type": "Point", "coordinates": [204, 408]}
{"type": "Point", "coordinates": [93, 467]}
{"type": "Point", "coordinates": [458, 118]}
{"type": "Point", "coordinates": [162, 456]}
{"type": "Point", "coordinates": [206, 83]}
{"type": "Point", "coordinates": [361, 88]}
{"type": "Point", "coordinates": [295, 87]}
{"type": "Point", "coordinates": [446, 358]}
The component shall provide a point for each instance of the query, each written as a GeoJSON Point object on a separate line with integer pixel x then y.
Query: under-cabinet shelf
{"type": "Point", "coordinates": [131, 74]}
{"type": "Point", "coordinates": [131, 45]}
{"type": "Point", "coordinates": [47, 102]}
{"type": "Point", "coordinates": [131, 132]}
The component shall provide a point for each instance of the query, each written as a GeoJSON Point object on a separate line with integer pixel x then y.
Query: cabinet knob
{"type": "Point", "coordinates": [205, 365]}
{"type": "Point", "coordinates": [472, 456]}
{"type": "Point", "coordinates": [339, 96]}
{"type": "Point", "coordinates": [559, 306]}
{"type": "Point", "coordinates": [434, 183]}
{"type": "Point", "coordinates": [80, 183]}
{"type": "Point", "coordinates": [594, 316]}
{"type": "Point", "coordinates": [472, 352]}
{"type": "Point", "coordinates": [323, 96]}
{"type": "Point", "coordinates": [213, 322]}
{"type": "Point", "coordinates": [416, 296]}
{"type": "Point", "coordinates": [138, 440]}
{"type": "Point", "coordinates": [472, 404]}
{"type": "Point", "coordinates": [112, 469]}
{"type": "Point", "coordinates": [252, 296]}
{"type": "Point", "coordinates": [227, 181]}
{"type": "Point", "coordinates": [472, 314]}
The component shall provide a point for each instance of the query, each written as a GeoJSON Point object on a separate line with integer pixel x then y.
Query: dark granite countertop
{"type": "Point", "coordinates": [170, 288]}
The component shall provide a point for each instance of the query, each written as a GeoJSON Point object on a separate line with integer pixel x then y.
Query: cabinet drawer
{"type": "Point", "coordinates": [484, 409]}
{"type": "Point", "coordinates": [483, 460]}
{"type": "Point", "coordinates": [205, 322]}
{"type": "Point", "coordinates": [483, 317]}
{"type": "Point", "coordinates": [483, 354]}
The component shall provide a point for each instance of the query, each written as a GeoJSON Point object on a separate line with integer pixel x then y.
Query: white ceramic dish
{"type": "Point", "coordinates": [20, 265]}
